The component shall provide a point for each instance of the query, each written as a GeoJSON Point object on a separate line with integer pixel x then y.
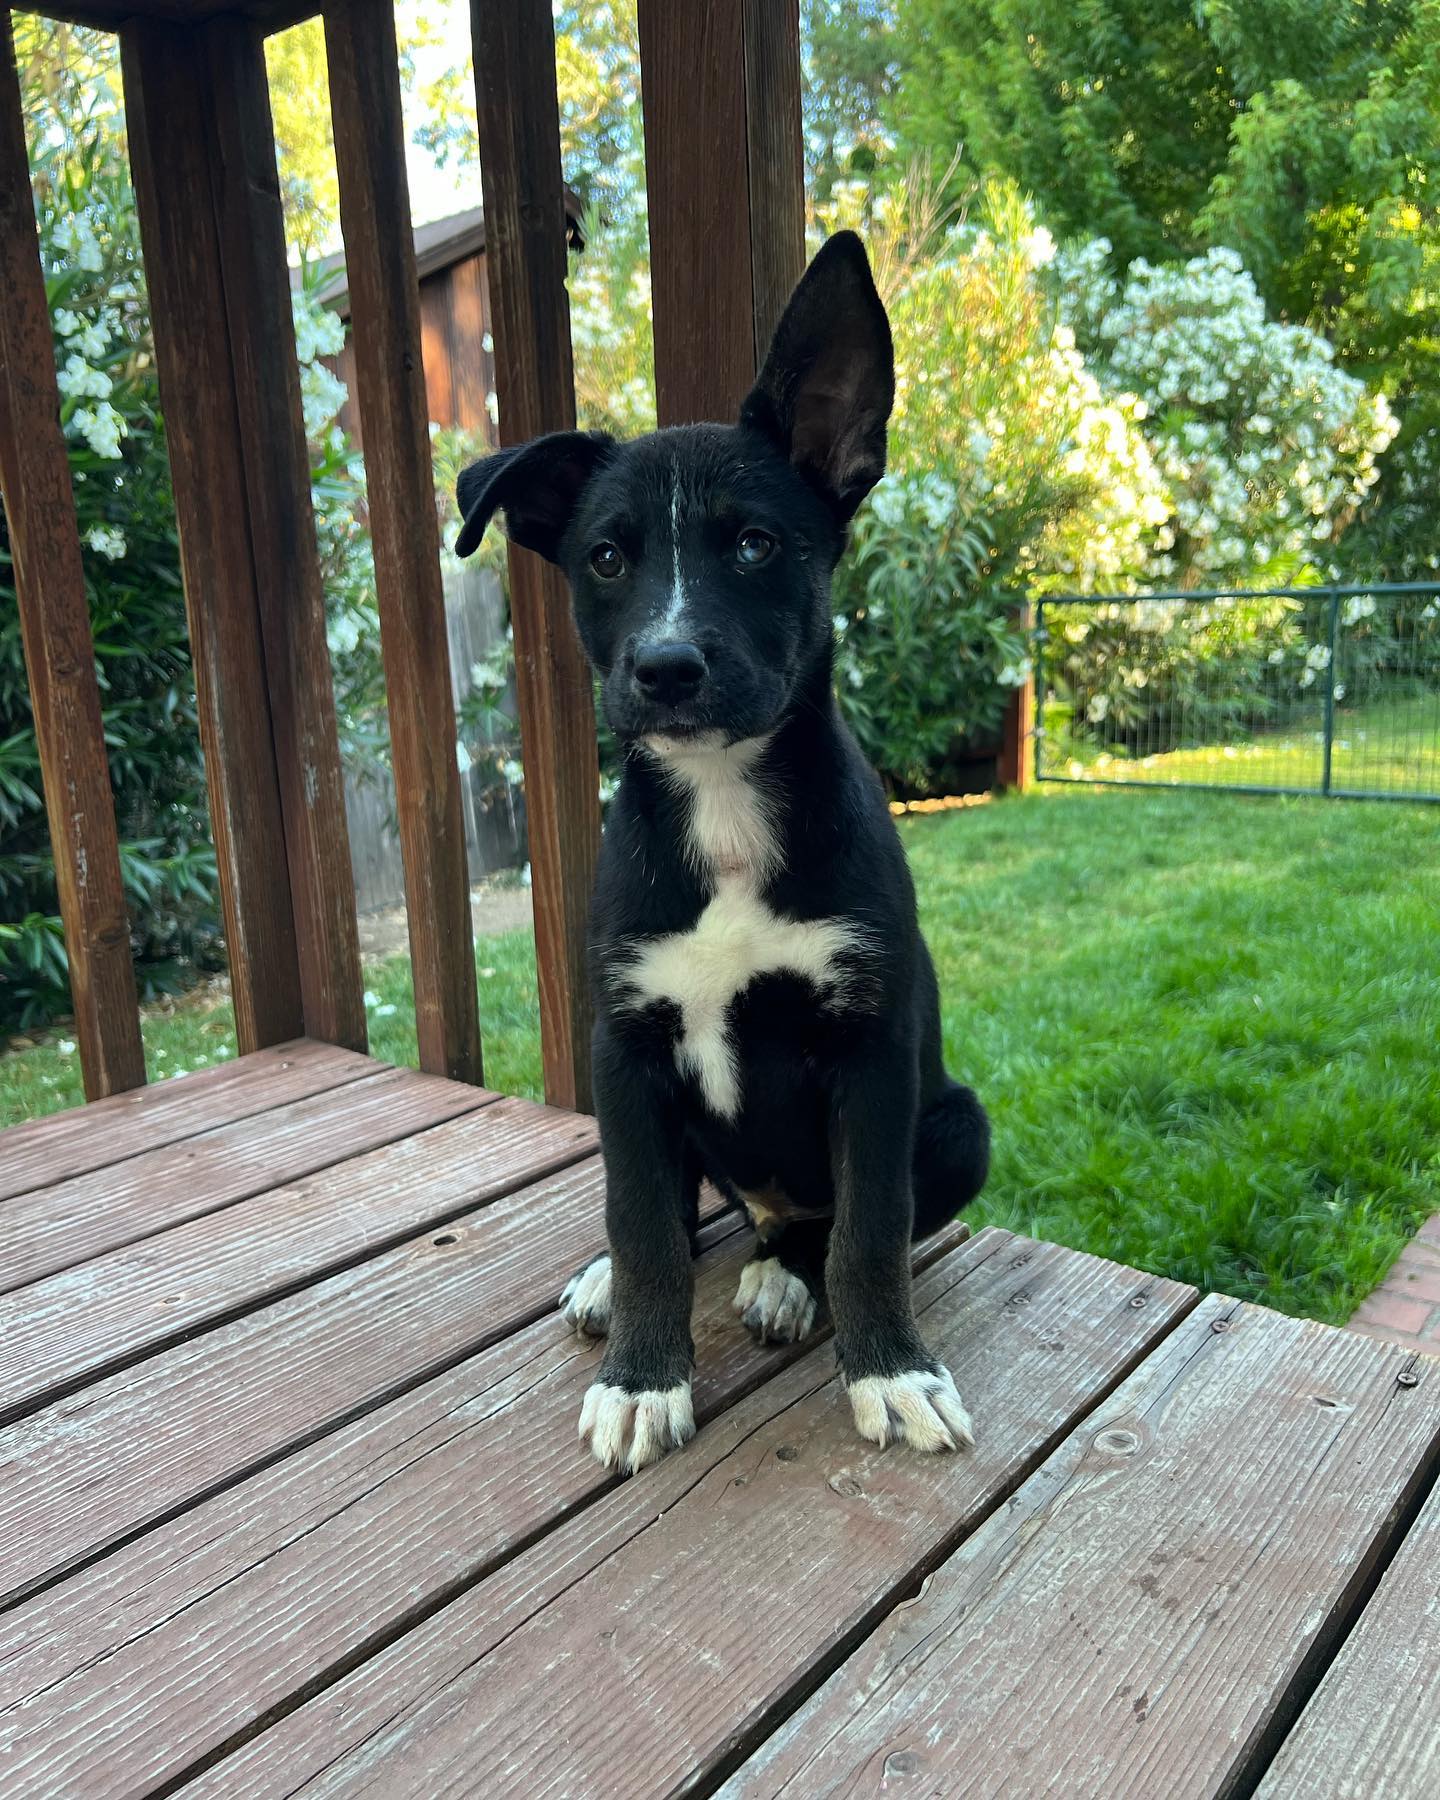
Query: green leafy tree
{"type": "Point", "coordinates": [1304, 137]}
{"type": "Point", "coordinates": [1113, 114]}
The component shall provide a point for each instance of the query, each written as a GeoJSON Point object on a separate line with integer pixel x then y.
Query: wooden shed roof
{"type": "Point", "coordinates": [438, 245]}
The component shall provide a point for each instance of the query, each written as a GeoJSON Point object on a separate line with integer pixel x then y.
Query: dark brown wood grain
{"type": "Point", "coordinates": [775, 159]}
{"type": "Point", "coordinates": [55, 630]}
{"type": "Point", "coordinates": [385, 316]}
{"type": "Point", "coordinates": [110, 15]}
{"type": "Point", "coordinates": [169, 120]}
{"type": "Point", "coordinates": [525, 267]}
{"type": "Point", "coordinates": [173, 1428]}
{"type": "Point", "coordinates": [74, 1221]}
{"type": "Point", "coordinates": [1154, 1600]}
{"type": "Point", "coordinates": [725, 190]}
{"type": "Point", "coordinates": [677, 1611]}
{"type": "Point", "coordinates": [85, 1320]}
{"type": "Point", "coordinates": [278, 1583]}
{"type": "Point", "coordinates": [48, 1151]}
{"type": "Point", "coordinates": [1372, 1729]}
{"type": "Point", "coordinates": [246, 189]}
{"type": "Point", "coordinates": [697, 184]}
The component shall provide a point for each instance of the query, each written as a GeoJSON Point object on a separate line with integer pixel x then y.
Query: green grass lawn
{"type": "Point", "coordinates": [1390, 748]}
{"type": "Point", "coordinates": [1205, 1026]}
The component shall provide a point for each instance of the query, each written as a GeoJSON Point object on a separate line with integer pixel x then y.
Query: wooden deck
{"type": "Point", "coordinates": [291, 1499]}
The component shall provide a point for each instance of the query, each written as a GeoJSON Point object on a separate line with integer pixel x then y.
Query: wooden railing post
{"type": "Point", "coordinates": [534, 386]}
{"type": "Point", "coordinates": [202, 149]}
{"type": "Point", "coordinates": [385, 314]}
{"type": "Point", "coordinates": [55, 628]}
{"type": "Point", "coordinates": [1015, 764]}
{"type": "Point", "coordinates": [726, 187]}
{"type": "Point", "coordinates": [291, 596]}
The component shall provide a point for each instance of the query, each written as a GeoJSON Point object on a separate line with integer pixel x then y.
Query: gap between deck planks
{"type": "Point", "coordinates": [74, 1221]}
{"type": "Point", "coordinates": [44, 1151]}
{"type": "Point", "coordinates": [1372, 1729]}
{"type": "Point", "coordinates": [1156, 1598]}
{"type": "Point", "coordinates": [274, 1587]}
{"type": "Point", "coordinates": [682, 1605]}
{"type": "Point", "coordinates": [199, 1416]}
{"type": "Point", "coordinates": [90, 1319]}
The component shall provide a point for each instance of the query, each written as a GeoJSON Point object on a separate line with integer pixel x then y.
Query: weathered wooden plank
{"type": "Point", "coordinates": [195, 1417]}
{"type": "Point", "coordinates": [687, 1604]}
{"type": "Point", "coordinates": [250, 219]}
{"type": "Point", "coordinates": [725, 186]}
{"type": "Point", "coordinates": [1154, 1598]}
{"type": "Point", "coordinates": [534, 385]}
{"type": "Point", "coordinates": [87, 1320]}
{"type": "Point", "coordinates": [45, 1152]}
{"type": "Point", "coordinates": [62, 1226]}
{"type": "Point", "coordinates": [390, 375]}
{"type": "Point", "coordinates": [168, 119]}
{"type": "Point", "coordinates": [776, 160]}
{"type": "Point", "coordinates": [161, 1654]}
{"type": "Point", "coordinates": [698, 202]}
{"type": "Point", "coordinates": [55, 629]}
{"type": "Point", "coordinates": [471, 364]}
{"type": "Point", "coordinates": [1372, 1729]}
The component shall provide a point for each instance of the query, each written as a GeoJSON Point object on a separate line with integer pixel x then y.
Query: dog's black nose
{"type": "Point", "coordinates": [669, 671]}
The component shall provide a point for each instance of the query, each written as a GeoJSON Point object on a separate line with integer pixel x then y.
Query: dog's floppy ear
{"type": "Point", "coordinates": [536, 485]}
{"type": "Point", "coordinates": [828, 383]}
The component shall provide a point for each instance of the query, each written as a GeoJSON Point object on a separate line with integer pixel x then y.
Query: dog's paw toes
{"type": "Point", "coordinates": [920, 1408]}
{"type": "Point", "coordinates": [774, 1304]}
{"type": "Point", "coordinates": [585, 1303]}
{"type": "Point", "coordinates": [626, 1431]}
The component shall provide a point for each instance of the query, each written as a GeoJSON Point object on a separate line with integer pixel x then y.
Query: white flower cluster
{"type": "Point", "coordinates": [87, 336]}
{"type": "Point", "coordinates": [318, 332]}
{"type": "Point", "coordinates": [1267, 448]}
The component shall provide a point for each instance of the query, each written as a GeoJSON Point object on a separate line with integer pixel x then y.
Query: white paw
{"type": "Point", "coordinates": [585, 1303]}
{"type": "Point", "coordinates": [918, 1407]}
{"type": "Point", "coordinates": [774, 1304]}
{"type": "Point", "coordinates": [627, 1431]}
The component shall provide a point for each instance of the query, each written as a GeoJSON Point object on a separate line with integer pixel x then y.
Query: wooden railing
{"type": "Point", "coordinates": [723, 152]}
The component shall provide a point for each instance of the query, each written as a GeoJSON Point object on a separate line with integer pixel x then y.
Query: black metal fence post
{"type": "Point", "coordinates": [1334, 632]}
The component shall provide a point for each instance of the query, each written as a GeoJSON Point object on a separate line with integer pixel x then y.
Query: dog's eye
{"type": "Point", "coordinates": [607, 562]}
{"type": "Point", "coordinates": [754, 547]}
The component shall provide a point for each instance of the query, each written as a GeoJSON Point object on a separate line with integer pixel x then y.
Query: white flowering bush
{"type": "Point", "coordinates": [1267, 448]}
{"type": "Point", "coordinates": [1267, 451]}
{"type": "Point", "coordinates": [1010, 470]}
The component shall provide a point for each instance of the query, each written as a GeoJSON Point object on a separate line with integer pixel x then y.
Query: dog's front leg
{"type": "Point", "coordinates": [897, 1388]}
{"type": "Point", "coordinates": [639, 1405]}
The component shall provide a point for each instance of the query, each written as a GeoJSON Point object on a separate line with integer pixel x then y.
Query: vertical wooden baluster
{"type": "Point", "coordinates": [282, 532]}
{"type": "Point", "coordinates": [55, 628]}
{"type": "Point", "coordinates": [385, 313]}
{"type": "Point", "coordinates": [725, 182]}
{"type": "Point", "coordinates": [170, 125]}
{"type": "Point", "coordinates": [534, 385]}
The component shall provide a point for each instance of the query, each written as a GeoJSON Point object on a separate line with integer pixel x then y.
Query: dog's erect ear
{"type": "Point", "coordinates": [828, 382]}
{"type": "Point", "coordinates": [536, 485]}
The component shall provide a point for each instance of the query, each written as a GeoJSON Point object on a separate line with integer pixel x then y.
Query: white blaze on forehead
{"type": "Point", "coordinates": [675, 608]}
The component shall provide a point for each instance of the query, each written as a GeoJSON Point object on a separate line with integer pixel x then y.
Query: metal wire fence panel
{"type": "Point", "coordinates": [1324, 690]}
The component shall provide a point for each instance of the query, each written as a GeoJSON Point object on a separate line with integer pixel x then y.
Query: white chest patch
{"type": "Point", "coordinates": [737, 937]}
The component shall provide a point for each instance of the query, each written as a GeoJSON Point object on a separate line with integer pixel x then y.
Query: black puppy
{"type": "Point", "coordinates": [767, 1009]}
